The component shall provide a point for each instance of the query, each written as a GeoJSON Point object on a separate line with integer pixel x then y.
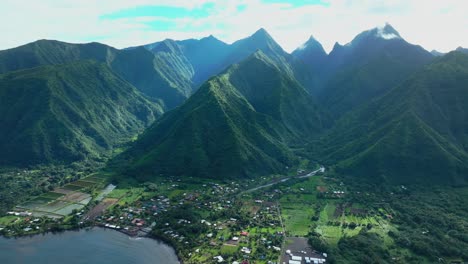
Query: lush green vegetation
{"type": "Point", "coordinates": [229, 127]}
{"type": "Point", "coordinates": [68, 113]}
{"type": "Point", "coordinates": [153, 75]}
{"type": "Point", "coordinates": [392, 224]}
{"type": "Point", "coordinates": [191, 170]}
{"type": "Point", "coordinates": [20, 184]}
{"type": "Point", "coordinates": [415, 133]}
{"type": "Point", "coordinates": [368, 68]}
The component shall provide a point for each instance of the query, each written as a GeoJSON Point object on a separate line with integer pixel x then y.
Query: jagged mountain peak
{"type": "Point", "coordinates": [312, 45]}
{"type": "Point", "coordinates": [261, 35]}
{"type": "Point", "coordinates": [463, 50]}
{"type": "Point", "coordinates": [211, 38]}
{"type": "Point", "coordinates": [385, 32]}
{"type": "Point", "coordinates": [261, 32]}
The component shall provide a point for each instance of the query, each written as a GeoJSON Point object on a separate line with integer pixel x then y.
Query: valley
{"type": "Point", "coordinates": [241, 152]}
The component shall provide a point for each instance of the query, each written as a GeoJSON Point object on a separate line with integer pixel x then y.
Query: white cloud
{"type": "Point", "coordinates": [437, 25]}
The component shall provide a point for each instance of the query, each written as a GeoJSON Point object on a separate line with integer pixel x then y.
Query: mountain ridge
{"type": "Point", "coordinates": [414, 133]}
{"type": "Point", "coordinates": [63, 113]}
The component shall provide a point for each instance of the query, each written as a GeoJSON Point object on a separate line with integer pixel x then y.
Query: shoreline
{"type": "Point", "coordinates": [122, 231]}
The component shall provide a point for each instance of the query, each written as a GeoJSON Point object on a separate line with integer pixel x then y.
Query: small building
{"type": "Point", "coordinates": [219, 259]}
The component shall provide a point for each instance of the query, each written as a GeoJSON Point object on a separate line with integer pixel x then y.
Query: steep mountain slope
{"type": "Point", "coordinates": [272, 91]}
{"type": "Point", "coordinates": [311, 52]}
{"type": "Point", "coordinates": [463, 50]}
{"type": "Point", "coordinates": [310, 60]}
{"type": "Point", "coordinates": [418, 132]}
{"type": "Point", "coordinates": [206, 55]}
{"type": "Point", "coordinates": [437, 53]}
{"type": "Point", "coordinates": [262, 41]}
{"type": "Point", "coordinates": [366, 68]}
{"type": "Point", "coordinates": [209, 56]}
{"type": "Point", "coordinates": [153, 76]}
{"type": "Point", "coordinates": [237, 124]}
{"type": "Point", "coordinates": [216, 133]}
{"type": "Point", "coordinates": [68, 112]}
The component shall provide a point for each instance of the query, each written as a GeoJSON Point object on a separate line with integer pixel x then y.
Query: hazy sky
{"type": "Point", "coordinates": [434, 24]}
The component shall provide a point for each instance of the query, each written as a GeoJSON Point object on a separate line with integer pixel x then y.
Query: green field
{"type": "Point", "coordinates": [297, 206]}
{"type": "Point", "coordinates": [72, 187]}
{"type": "Point", "coordinates": [5, 220]}
{"type": "Point", "coordinates": [51, 195]}
{"type": "Point", "coordinates": [83, 183]}
{"type": "Point", "coordinates": [229, 250]}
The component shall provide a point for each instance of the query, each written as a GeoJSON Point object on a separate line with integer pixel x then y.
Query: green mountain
{"type": "Point", "coordinates": [259, 41]}
{"type": "Point", "coordinates": [216, 133]}
{"type": "Point", "coordinates": [462, 50]}
{"type": "Point", "coordinates": [237, 124]}
{"type": "Point", "coordinates": [308, 61]}
{"type": "Point", "coordinates": [207, 57]}
{"type": "Point", "coordinates": [273, 91]}
{"type": "Point", "coordinates": [204, 57]}
{"type": "Point", "coordinates": [154, 76]}
{"type": "Point", "coordinates": [312, 53]}
{"type": "Point", "coordinates": [68, 112]}
{"type": "Point", "coordinates": [368, 67]}
{"type": "Point", "coordinates": [418, 132]}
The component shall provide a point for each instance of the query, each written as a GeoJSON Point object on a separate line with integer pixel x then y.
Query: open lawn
{"type": "Point", "coordinates": [297, 220]}
{"type": "Point", "coordinates": [297, 206]}
{"type": "Point", "coordinates": [95, 178]}
{"type": "Point", "coordinates": [83, 183]}
{"type": "Point", "coordinates": [126, 195]}
{"type": "Point", "coordinates": [72, 187]}
{"type": "Point", "coordinates": [118, 193]}
{"type": "Point", "coordinates": [229, 249]}
{"type": "Point", "coordinates": [5, 220]}
{"type": "Point", "coordinates": [52, 195]}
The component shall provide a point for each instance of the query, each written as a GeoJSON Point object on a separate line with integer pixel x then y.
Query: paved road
{"type": "Point", "coordinates": [312, 173]}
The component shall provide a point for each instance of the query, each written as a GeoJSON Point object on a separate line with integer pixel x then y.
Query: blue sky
{"type": "Point", "coordinates": [171, 12]}
{"type": "Point", "coordinates": [437, 25]}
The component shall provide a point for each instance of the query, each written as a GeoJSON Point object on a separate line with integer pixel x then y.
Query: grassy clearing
{"type": "Point", "coordinates": [126, 195]}
{"type": "Point", "coordinates": [72, 187]}
{"type": "Point", "coordinates": [297, 222]}
{"type": "Point", "coordinates": [51, 195]}
{"type": "Point", "coordinates": [5, 220]}
{"type": "Point", "coordinates": [117, 193]}
{"type": "Point", "coordinates": [297, 207]}
{"type": "Point", "coordinates": [85, 184]}
{"type": "Point", "coordinates": [229, 249]}
{"type": "Point", "coordinates": [96, 179]}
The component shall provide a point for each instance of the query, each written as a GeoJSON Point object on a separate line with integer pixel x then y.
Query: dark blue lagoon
{"type": "Point", "coordinates": [96, 245]}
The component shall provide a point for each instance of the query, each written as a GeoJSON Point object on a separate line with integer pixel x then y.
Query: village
{"type": "Point", "coordinates": [210, 222]}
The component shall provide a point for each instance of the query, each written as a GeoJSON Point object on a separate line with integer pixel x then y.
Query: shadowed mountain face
{"type": "Point", "coordinates": [237, 124]}
{"type": "Point", "coordinates": [366, 68]}
{"type": "Point", "coordinates": [153, 76]}
{"type": "Point", "coordinates": [418, 132]}
{"type": "Point", "coordinates": [209, 56]}
{"type": "Point", "coordinates": [68, 112]}
{"type": "Point", "coordinates": [462, 50]}
{"type": "Point", "coordinates": [378, 108]}
{"type": "Point", "coordinates": [312, 53]}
